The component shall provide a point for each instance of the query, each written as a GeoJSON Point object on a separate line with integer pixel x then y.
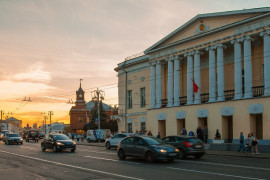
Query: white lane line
{"type": "Point", "coordinates": [219, 174]}
{"type": "Point", "coordinates": [29, 148]}
{"type": "Point", "coordinates": [68, 165]}
{"type": "Point", "coordinates": [98, 152]}
{"type": "Point", "coordinates": [229, 165]}
{"type": "Point", "coordinates": [106, 159]}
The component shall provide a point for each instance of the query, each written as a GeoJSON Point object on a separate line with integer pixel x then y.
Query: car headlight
{"type": "Point", "coordinates": [176, 150]}
{"type": "Point", "coordinates": [160, 150]}
{"type": "Point", "coordinates": [21, 139]}
{"type": "Point", "coordinates": [74, 143]}
{"type": "Point", "coordinates": [59, 143]}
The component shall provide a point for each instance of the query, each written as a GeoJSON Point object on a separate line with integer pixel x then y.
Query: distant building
{"type": "Point", "coordinates": [12, 124]}
{"type": "Point", "coordinates": [80, 114]}
{"type": "Point", "coordinates": [35, 126]}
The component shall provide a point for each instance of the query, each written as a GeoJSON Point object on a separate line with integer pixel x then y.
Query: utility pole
{"type": "Point", "coordinates": [50, 113]}
{"type": "Point", "coordinates": [2, 113]}
{"type": "Point", "coordinates": [98, 95]}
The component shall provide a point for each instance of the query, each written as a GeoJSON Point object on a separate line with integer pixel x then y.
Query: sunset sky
{"type": "Point", "coordinates": [47, 46]}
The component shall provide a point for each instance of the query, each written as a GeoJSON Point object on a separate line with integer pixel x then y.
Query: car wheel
{"type": "Point", "coordinates": [149, 157]}
{"type": "Point", "coordinates": [8, 143]}
{"type": "Point", "coordinates": [22, 143]}
{"type": "Point", "coordinates": [121, 154]}
{"type": "Point", "coordinates": [43, 148]}
{"type": "Point", "coordinates": [198, 156]}
{"type": "Point", "coordinates": [54, 149]}
{"type": "Point", "coordinates": [108, 146]}
{"type": "Point", "coordinates": [73, 150]}
{"type": "Point", "coordinates": [181, 154]}
{"type": "Point", "coordinates": [5, 142]}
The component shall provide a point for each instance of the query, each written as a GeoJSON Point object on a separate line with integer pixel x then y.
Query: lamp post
{"type": "Point", "coordinates": [98, 95]}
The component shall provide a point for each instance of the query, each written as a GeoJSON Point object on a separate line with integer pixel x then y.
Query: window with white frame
{"type": "Point", "coordinates": [129, 99]}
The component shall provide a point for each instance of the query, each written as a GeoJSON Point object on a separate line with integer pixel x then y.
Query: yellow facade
{"type": "Point", "coordinates": [250, 113]}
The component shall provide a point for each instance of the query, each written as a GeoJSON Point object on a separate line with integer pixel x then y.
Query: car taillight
{"type": "Point", "coordinates": [187, 144]}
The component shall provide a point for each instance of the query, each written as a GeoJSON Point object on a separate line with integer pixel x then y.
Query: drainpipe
{"type": "Point", "coordinates": [125, 97]}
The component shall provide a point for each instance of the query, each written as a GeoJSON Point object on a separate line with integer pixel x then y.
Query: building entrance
{"type": "Point", "coordinates": [256, 125]}
{"type": "Point", "coordinates": [227, 129]}
{"type": "Point", "coordinates": [202, 122]}
{"type": "Point", "coordinates": [180, 125]}
{"type": "Point", "coordinates": [162, 128]}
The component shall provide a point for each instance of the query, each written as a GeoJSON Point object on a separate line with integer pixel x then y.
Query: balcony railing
{"type": "Point", "coordinates": [229, 95]}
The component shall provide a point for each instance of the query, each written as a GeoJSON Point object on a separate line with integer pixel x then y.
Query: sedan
{"type": "Point", "coordinates": [149, 148]}
{"type": "Point", "coordinates": [58, 142]}
{"type": "Point", "coordinates": [113, 141]}
{"type": "Point", "coordinates": [187, 145]}
{"type": "Point", "coordinates": [13, 138]}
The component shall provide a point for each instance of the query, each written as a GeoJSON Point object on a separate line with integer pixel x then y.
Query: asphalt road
{"type": "Point", "coordinates": [27, 161]}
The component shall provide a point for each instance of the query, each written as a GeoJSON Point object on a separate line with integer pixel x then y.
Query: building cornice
{"type": "Point", "coordinates": [200, 16]}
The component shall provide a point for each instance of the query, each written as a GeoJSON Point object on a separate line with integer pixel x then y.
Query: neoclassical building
{"type": "Point", "coordinates": [226, 54]}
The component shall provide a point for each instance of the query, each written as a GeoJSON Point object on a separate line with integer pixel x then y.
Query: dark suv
{"type": "Point", "coordinates": [32, 135]}
{"type": "Point", "coordinates": [187, 145]}
{"type": "Point", "coordinates": [58, 142]}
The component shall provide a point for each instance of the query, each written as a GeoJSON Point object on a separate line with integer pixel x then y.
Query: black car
{"type": "Point", "coordinates": [32, 135]}
{"type": "Point", "coordinates": [13, 138]}
{"type": "Point", "coordinates": [149, 148]}
{"type": "Point", "coordinates": [58, 142]}
{"type": "Point", "coordinates": [187, 145]}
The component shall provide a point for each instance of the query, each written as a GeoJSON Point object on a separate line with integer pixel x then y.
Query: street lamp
{"type": "Point", "coordinates": [98, 95]}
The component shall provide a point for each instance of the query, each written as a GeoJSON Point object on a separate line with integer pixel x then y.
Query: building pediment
{"type": "Point", "coordinates": [203, 23]}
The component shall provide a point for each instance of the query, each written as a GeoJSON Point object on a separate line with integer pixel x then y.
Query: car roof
{"type": "Point", "coordinates": [12, 133]}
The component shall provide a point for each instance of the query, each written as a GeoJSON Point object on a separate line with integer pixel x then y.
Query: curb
{"type": "Point", "coordinates": [247, 156]}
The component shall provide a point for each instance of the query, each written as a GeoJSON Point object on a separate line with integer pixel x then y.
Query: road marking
{"type": "Point", "coordinates": [106, 159]}
{"type": "Point", "coordinates": [219, 174]}
{"type": "Point", "coordinates": [68, 165]}
{"type": "Point", "coordinates": [229, 165]}
{"type": "Point", "coordinates": [29, 148]}
{"type": "Point", "coordinates": [98, 152]}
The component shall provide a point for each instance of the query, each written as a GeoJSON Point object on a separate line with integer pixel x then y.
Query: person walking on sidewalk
{"type": "Point", "coordinates": [249, 143]}
{"type": "Point", "coordinates": [242, 142]}
{"type": "Point", "coordinates": [254, 143]}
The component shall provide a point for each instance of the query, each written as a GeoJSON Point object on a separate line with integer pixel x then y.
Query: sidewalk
{"type": "Point", "coordinates": [208, 151]}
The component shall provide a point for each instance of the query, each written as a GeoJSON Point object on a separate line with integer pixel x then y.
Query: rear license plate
{"type": "Point", "coordinates": [198, 146]}
{"type": "Point", "coordinates": [172, 154]}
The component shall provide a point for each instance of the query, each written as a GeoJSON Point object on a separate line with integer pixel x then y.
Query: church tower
{"type": "Point", "coordinates": [80, 97]}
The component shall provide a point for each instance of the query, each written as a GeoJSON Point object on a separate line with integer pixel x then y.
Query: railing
{"type": "Point", "coordinates": [229, 95]}
{"type": "Point", "coordinates": [258, 91]}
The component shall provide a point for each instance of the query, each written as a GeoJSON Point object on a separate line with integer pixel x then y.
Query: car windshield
{"type": "Point", "coordinates": [153, 141]}
{"type": "Point", "coordinates": [60, 137]}
{"type": "Point", "coordinates": [14, 135]}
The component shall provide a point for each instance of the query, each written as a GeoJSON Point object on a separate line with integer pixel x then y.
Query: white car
{"type": "Point", "coordinates": [113, 141]}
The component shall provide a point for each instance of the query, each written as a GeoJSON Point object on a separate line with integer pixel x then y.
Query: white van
{"type": "Point", "coordinates": [98, 135]}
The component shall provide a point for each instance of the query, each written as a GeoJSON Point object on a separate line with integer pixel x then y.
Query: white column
{"type": "Point", "coordinates": [158, 85]}
{"type": "Point", "coordinates": [237, 69]}
{"type": "Point", "coordinates": [212, 74]}
{"type": "Point", "coordinates": [176, 81]}
{"type": "Point", "coordinates": [248, 67]}
{"type": "Point", "coordinates": [220, 74]}
{"type": "Point", "coordinates": [153, 85]}
{"type": "Point", "coordinates": [197, 76]}
{"type": "Point", "coordinates": [189, 77]}
{"type": "Point", "coordinates": [170, 82]}
{"type": "Point", "coordinates": [266, 54]}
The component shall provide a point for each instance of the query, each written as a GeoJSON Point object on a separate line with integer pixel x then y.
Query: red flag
{"type": "Point", "coordinates": [195, 87]}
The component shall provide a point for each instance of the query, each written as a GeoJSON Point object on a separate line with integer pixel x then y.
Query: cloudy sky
{"type": "Point", "coordinates": [47, 46]}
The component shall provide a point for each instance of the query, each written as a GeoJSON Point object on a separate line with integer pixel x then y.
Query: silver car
{"type": "Point", "coordinates": [113, 141]}
{"type": "Point", "coordinates": [13, 138]}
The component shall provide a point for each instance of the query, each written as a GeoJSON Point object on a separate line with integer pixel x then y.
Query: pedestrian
{"type": "Point", "coordinates": [183, 132]}
{"type": "Point", "coordinates": [242, 143]}
{"type": "Point", "coordinates": [249, 143]}
{"type": "Point", "coordinates": [254, 143]}
{"type": "Point", "coordinates": [150, 133]}
{"type": "Point", "coordinates": [78, 137]}
{"type": "Point", "coordinates": [199, 133]}
{"type": "Point", "coordinates": [82, 137]}
{"type": "Point", "coordinates": [158, 136]}
{"type": "Point", "coordinates": [72, 136]}
{"type": "Point", "coordinates": [205, 134]}
{"type": "Point", "coordinates": [217, 136]}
